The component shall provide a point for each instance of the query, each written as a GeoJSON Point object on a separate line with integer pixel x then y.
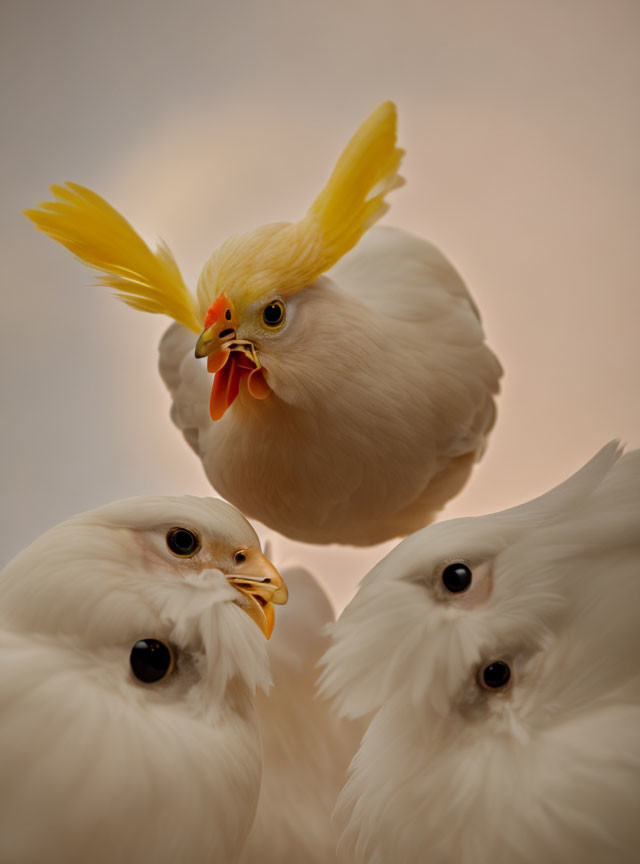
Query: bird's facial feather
{"type": "Point", "coordinates": [132, 679]}
{"type": "Point", "coordinates": [243, 292]}
{"type": "Point", "coordinates": [300, 346]}
{"type": "Point", "coordinates": [403, 620]}
{"type": "Point", "coordinates": [110, 578]}
{"type": "Point", "coordinates": [503, 699]}
{"type": "Point", "coordinates": [327, 341]}
{"type": "Point", "coordinates": [516, 596]}
{"type": "Point", "coordinates": [269, 329]}
{"type": "Point", "coordinates": [424, 634]}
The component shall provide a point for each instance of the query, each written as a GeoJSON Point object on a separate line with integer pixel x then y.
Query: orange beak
{"type": "Point", "coordinates": [229, 359]}
{"type": "Point", "coordinates": [261, 586]}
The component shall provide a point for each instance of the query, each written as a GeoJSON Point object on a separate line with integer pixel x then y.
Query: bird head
{"type": "Point", "coordinates": [251, 278]}
{"type": "Point", "coordinates": [186, 573]}
{"type": "Point", "coordinates": [249, 288]}
{"type": "Point", "coordinates": [252, 283]}
{"type": "Point", "coordinates": [478, 642]}
{"type": "Point", "coordinates": [130, 660]}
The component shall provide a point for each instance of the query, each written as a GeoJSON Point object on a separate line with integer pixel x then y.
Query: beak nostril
{"type": "Point", "coordinates": [224, 333]}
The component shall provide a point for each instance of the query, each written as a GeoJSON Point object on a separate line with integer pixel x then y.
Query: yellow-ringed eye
{"type": "Point", "coordinates": [273, 314]}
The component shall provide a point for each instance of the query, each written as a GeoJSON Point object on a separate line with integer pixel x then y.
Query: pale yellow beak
{"type": "Point", "coordinates": [260, 585]}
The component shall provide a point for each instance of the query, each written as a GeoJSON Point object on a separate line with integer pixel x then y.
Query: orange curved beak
{"type": "Point", "coordinates": [261, 586]}
{"type": "Point", "coordinates": [229, 359]}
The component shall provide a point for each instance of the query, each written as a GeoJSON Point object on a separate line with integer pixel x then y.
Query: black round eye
{"type": "Point", "coordinates": [240, 557]}
{"type": "Point", "coordinates": [273, 313]}
{"type": "Point", "coordinates": [496, 674]}
{"type": "Point", "coordinates": [227, 314]}
{"type": "Point", "coordinates": [182, 542]}
{"type": "Point", "coordinates": [151, 660]}
{"type": "Point", "coordinates": [456, 577]}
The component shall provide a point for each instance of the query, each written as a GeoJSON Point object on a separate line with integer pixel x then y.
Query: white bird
{"type": "Point", "coordinates": [501, 656]}
{"type": "Point", "coordinates": [307, 749]}
{"type": "Point", "coordinates": [352, 391]}
{"type": "Point", "coordinates": [128, 670]}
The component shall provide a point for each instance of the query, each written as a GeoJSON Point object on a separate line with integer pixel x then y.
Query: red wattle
{"type": "Point", "coordinates": [226, 383]}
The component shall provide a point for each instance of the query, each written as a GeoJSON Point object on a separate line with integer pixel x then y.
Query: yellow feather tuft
{"type": "Point", "coordinates": [284, 258]}
{"type": "Point", "coordinates": [101, 238]}
{"type": "Point", "coordinates": [353, 199]}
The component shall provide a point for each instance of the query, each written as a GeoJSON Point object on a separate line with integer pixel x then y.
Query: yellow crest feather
{"type": "Point", "coordinates": [101, 238]}
{"type": "Point", "coordinates": [353, 199]}
{"type": "Point", "coordinates": [285, 257]}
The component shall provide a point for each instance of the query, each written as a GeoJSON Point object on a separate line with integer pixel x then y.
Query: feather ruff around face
{"type": "Point", "coordinates": [546, 769]}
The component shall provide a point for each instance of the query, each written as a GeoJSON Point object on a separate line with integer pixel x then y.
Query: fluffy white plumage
{"type": "Point", "coordinates": [545, 768]}
{"type": "Point", "coordinates": [307, 749]}
{"type": "Point", "coordinates": [96, 765]}
{"type": "Point", "coordinates": [382, 399]}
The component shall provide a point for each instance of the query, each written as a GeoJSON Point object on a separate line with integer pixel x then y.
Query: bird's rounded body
{"type": "Point", "coordinates": [347, 389]}
{"type": "Point", "coordinates": [380, 405]}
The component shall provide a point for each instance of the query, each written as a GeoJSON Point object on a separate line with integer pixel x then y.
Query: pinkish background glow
{"type": "Point", "coordinates": [199, 119]}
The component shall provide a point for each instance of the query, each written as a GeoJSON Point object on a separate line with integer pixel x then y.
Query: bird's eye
{"type": "Point", "coordinates": [151, 660]}
{"type": "Point", "coordinates": [495, 675]}
{"type": "Point", "coordinates": [182, 542]}
{"type": "Point", "coordinates": [273, 314]}
{"type": "Point", "coordinates": [240, 557]}
{"type": "Point", "coordinates": [456, 577]}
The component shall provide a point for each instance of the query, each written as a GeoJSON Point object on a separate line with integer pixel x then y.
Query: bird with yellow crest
{"type": "Point", "coordinates": [352, 388]}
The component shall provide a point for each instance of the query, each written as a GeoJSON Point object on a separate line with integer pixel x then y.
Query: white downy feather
{"type": "Point", "coordinates": [97, 766]}
{"type": "Point", "coordinates": [546, 768]}
{"type": "Point", "coordinates": [307, 749]}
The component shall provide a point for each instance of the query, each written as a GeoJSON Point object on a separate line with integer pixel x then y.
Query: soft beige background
{"type": "Point", "coordinates": [197, 119]}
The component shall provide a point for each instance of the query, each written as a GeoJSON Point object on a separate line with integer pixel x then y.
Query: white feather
{"type": "Point", "coordinates": [382, 399]}
{"type": "Point", "coordinates": [545, 769]}
{"type": "Point", "coordinates": [306, 748]}
{"type": "Point", "coordinates": [96, 766]}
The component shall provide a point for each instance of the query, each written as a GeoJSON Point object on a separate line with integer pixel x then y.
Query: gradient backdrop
{"type": "Point", "coordinates": [199, 119]}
